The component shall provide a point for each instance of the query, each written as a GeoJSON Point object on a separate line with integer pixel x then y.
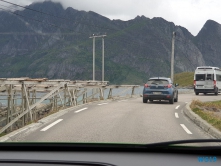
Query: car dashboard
{"type": "Point", "coordinates": [39, 155]}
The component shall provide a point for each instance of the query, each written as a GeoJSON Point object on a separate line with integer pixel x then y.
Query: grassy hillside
{"type": "Point", "coordinates": [209, 111]}
{"type": "Point", "coordinates": [184, 79]}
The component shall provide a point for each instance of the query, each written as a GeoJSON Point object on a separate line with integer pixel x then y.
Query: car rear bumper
{"type": "Point", "coordinates": [204, 90]}
{"type": "Point", "coordinates": [157, 97]}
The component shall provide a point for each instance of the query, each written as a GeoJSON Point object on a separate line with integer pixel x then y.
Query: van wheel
{"type": "Point", "coordinates": [216, 93]}
{"type": "Point", "coordinates": [171, 101]}
{"type": "Point", "coordinates": [176, 99]}
{"type": "Point", "coordinates": [197, 93]}
{"type": "Point", "coordinates": [144, 100]}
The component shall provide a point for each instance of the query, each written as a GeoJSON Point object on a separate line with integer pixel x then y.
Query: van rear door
{"type": "Point", "coordinates": [200, 80]}
{"type": "Point", "coordinates": [209, 83]}
{"type": "Point", "coordinates": [204, 81]}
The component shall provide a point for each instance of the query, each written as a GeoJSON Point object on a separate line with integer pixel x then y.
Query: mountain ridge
{"type": "Point", "coordinates": [134, 50]}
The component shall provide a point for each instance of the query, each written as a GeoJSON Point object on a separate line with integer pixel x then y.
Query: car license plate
{"type": "Point", "coordinates": [157, 93]}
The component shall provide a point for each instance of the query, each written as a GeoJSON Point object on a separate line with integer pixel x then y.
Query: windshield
{"type": "Point", "coordinates": [209, 76]}
{"type": "Point", "coordinates": [158, 81]}
{"type": "Point", "coordinates": [85, 71]}
{"type": "Point", "coordinates": [200, 77]}
{"type": "Point", "coordinates": [203, 77]}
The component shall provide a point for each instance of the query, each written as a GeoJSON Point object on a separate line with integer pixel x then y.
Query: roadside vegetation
{"type": "Point", "coordinates": [184, 79]}
{"type": "Point", "coordinates": [209, 111]}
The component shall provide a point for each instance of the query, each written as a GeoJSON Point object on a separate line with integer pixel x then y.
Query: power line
{"type": "Point", "coordinates": [125, 40]}
{"type": "Point", "coordinates": [8, 7]}
{"type": "Point", "coordinates": [34, 19]}
{"type": "Point", "coordinates": [130, 43]}
{"type": "Point", "coordinates": [114, 40]}
{"type": "Point", "coordinates": [52, 15]}
{"type": "Point", "coordinates": [94, 55]}
{"type": "Point", "coordinates": [122, 39]}
{"type": "Point", "coordinates": [58, 17]}
{"type": "Point", "coordinates": [42, 22]}
{"type": "Point", "coordinates": [54, 25]}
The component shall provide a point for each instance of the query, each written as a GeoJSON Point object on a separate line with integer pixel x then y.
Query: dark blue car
{"type": "Point", "coordinates": [160, 88]}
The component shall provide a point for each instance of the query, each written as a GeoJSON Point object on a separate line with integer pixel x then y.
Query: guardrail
{"type": "Point", "coordinates": [28, 100]}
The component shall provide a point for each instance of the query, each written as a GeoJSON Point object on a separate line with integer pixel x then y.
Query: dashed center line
{"type": "Point", "coordinates": [122, 100]}
{"type": "Point", "coordinates": [80, 110]}
{"type": "Point", "coordinates": [49, 126]}
{"type": "Point", "coordinates": [176, 115]}
{"type": "Point", "coordinates": [102, 103]}
{"type": "Point", "coordinates": [177, 106]}
{"type": "Point", "coordinates": [186, 129]}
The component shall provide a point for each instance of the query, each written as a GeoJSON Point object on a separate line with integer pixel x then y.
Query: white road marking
{"type": "Point", "coordinates": [49, 126]}
{"type": "Point", "coordinates": [80, 110]}
{"type": "Point", "coordinates": [177, 106]}
{"type": "Point", "coordinates": [122, 100]}
{"type": "Point", "coordinates": [186, 129]}
{"type": "Point", "coordinates": [186, 102]}
{"type": "Point", "coordinates": [176, 115]}
{"type": "Point", "coordinates": [102, 103]}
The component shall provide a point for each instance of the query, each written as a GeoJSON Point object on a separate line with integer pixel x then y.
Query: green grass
{"type": "Point", "coordinates": [184, 79]}
{"type": "Point", "coordinates": [217, 103]}
{"type": "Point", "coordinates": [209, 116]}
{"type": "Point", "coordinates": [214, 104]}
{"type": "Point", "coordinates": [2, 134]}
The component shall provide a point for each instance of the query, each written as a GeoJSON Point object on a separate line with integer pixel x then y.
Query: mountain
{"type": "Point", "coordinates": [208, 41]}
{"type": "Point", "coordinates": [53, 42]}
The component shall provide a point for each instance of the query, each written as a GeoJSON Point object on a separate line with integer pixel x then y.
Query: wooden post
{"type": "Point", "coordinates": [22, 104]}
{"type": "Point", "coordinates": [132, 93]}
{"type": "Point", "coordinates": [110, 94]}
{"type": "Point", "coordinates": [65, 97]}
{"type": "Point", "coordinates": [9, 114]}
{"type": "Point", "coordinates": [101, 93]}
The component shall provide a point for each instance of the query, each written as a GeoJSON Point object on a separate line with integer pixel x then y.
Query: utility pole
{"type": "Point", "coordinates": [94, 55]}
{"type": "Point", "coordinates": [93, 58]}
{"type": "Point", "coordinates": [172, 57]}
{"type": "Point", "coordinates": [102, 58]}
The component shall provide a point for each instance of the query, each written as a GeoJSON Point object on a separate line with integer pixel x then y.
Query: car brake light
{"type": "Point", "coordinates": [146, 85]}
{"type": "Point", "coordinates": [168, 86]}
{"type": "Point", "coordinates": [194, 82]}
{"type": "Point", "coordinates": [214, 82]}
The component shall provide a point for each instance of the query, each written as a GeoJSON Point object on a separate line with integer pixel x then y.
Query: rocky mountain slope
{"type": "Point", "coordinates": [57, 45]}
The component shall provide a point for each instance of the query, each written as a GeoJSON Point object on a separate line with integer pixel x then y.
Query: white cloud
{"type": "Point", "coordinates": [191, 14]}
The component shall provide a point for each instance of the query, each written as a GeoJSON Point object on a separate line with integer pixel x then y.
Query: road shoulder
{"type": "Point", "coordinates": [201, 123]}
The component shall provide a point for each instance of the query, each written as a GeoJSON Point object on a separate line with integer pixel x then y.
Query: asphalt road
{"type": "Point", "coordinates": [123, 121]}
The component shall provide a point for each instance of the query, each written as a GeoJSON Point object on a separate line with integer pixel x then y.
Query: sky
{"type": "Point", "coordinates": [191, 14]}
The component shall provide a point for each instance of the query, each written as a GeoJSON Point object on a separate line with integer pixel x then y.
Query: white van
{"type": "Point", "coordinates": [207, 79]}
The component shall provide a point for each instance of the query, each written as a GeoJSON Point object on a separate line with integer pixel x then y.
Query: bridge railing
{"type": "Point", "coordinates": [26, 100]}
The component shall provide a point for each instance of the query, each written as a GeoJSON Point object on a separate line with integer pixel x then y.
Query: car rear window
{"type": "Point", "coordinates": [200, 77]}
{"type": "Point", "coordinates": [158, 81]}
{"type": "Point", "coordinates": [209, 76]}
{"type": "Point", "coordinates": [203, 77]}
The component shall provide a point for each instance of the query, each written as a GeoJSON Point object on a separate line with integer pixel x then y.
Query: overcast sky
{"type": "Point", "coordinates": [191, 14]}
